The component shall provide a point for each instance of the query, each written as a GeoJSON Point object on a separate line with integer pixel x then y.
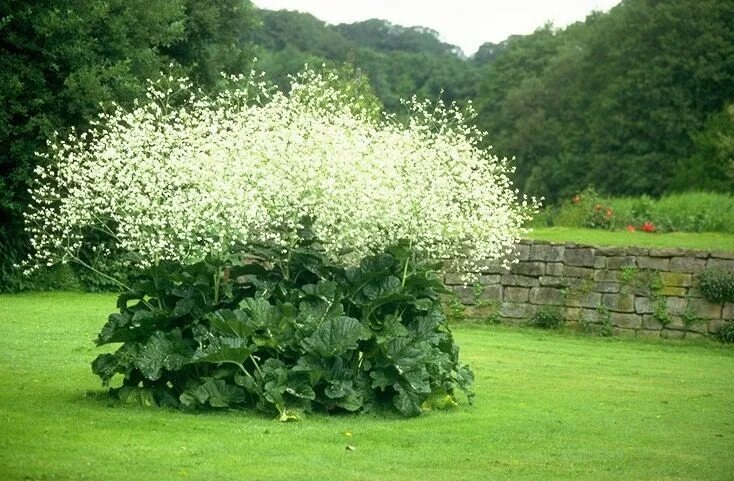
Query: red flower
{"type": "Point", "coordinates": [648, 227]}
{"type": "Point", "coordinates": [631, 228]}
{"type": "Point", "coordinates": [609, 212]}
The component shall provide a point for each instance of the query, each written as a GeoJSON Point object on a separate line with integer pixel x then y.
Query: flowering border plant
{"type": "Point", "coordinates": [184, 183]}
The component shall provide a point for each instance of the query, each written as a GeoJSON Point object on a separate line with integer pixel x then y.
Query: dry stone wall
{"type": "Point", "coordinates": [632, 290]}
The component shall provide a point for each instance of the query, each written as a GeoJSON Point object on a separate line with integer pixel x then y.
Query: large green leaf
{"type": "Point", "coordinates": [225, 349]}
{"type": "Point", "coordinates": [387, 286]}
{"type": "Point", "coordinates": [163, 351]}
{"type": "Point", "coordinates": [261, 312]}
{"type": "Point", "coordinates": [407, 401]}
{"type": "Point", "coordinates": [216, 393]}
{"type": "Point", "coordinates": [334, 337]}
{"type": "Point", "coordinates": [230, 323]}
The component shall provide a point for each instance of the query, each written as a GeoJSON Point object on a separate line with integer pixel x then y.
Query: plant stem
{"type": "Point", "coordinates": [407, 261]}
{"type": "Point", "coordinates": [216, 284]}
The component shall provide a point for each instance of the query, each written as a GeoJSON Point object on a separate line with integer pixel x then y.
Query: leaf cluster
{"type": "Point", "coordinates": [717, 285]}
{"type": "Point", "coordinates": [283, 334]}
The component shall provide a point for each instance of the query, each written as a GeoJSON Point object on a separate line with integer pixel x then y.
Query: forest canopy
{"type": "Point", "coordinates": [637, 100]}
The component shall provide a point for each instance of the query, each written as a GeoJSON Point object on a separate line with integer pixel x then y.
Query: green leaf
{"type": "Point", "coordinates": [407, 401]}
{"type": "Point", "coordinates": [230, 323]}
{"type": "Point", "coordinates": [216, 393]}
{"type": "Point", "coordinates": [386, 287]}
{"type": "Point", "coordinates": [262, 313]}
{"type": "Point", "coordinates": [162, 350]}
{"type": "Point", "coordinates": [225, 349]}
{"type": "Point", "coordinates": [324, 290]}
{"type": "Point", "coordinates": [334, 337]}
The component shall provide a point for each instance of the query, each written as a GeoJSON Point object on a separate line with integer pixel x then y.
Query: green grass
{"type": "Point", "coordinates": [549, 406]}
{"type": "Point", "coordinates": [687, 240]}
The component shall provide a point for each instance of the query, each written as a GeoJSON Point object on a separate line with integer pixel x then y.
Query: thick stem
{"type": "Point", "coordinates": [217, 277]}
{"type": "Point", "coordinates": [407, 261]}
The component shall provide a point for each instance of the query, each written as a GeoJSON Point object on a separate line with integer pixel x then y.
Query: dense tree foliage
{"type": "Point", "coordinates": [631, 101]}
{"type": "Point", "coordinates": [63, 61]}
{"type": "Point", "coordinates": [615, 102]}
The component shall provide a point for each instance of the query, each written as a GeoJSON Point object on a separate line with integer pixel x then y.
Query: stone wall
{"type": "Point", "coordinates": [632, 290]}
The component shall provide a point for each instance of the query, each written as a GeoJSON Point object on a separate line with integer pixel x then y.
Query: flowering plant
{"type": "Point", "coordinates": [184, 176]}
{"type": "Point", "coordinates": [281, 242]}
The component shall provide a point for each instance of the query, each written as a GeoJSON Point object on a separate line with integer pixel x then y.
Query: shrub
{"type": "Point", "coordinates": [717, 285]}
{"type": "Point", "coordinates": [261, 227]}
{"type": "Point", "coordinates": [547, 317]}
{"type": "Point", "coordinates": [304, 335]}
{"type": "Point", "coordinates": [725, 333]}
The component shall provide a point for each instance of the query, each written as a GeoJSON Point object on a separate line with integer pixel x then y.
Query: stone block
{"type": "Point", "coordinates": [579, 299]}
{"type": "Point", "coordinates": [725, 264]}
{"type": "Point", "coordinates": [722, 254]}
{"type": "Point", "coordinates": [655, 263]}
{"type": "Point", "coordinates": [675, 279]}
{"type": "Point", "coordinates": [703, 309]}
{"type": "Point", "coordinates": [591, 300]}
{"type": "Point", "coordinates": [579, 257]}
{"type": "Point", "coordinates": [715, 324]}
{"type": "Point", "coordinates": [637, 251]}
{"type": "Point", "coordinates": [517, 311]}
{"type": "Point", "coordinates": [465, 294]}
{"type": "Point", "coordinates": [621, 262]}
{"type": "Point", "coordinates": [644, 305]}
{"type": "Point", "coordinates": [546, 252]}
{"type": "Point", "coordinates": [491, 267]}
{"type": "Point", "coordinates": [695, 292]}
{"type": "Point", "coordinates": [481, 312]}
{"type": "Point", "coordinates": [600, 262]}
{"type": "Point", "coordinates": [516, 280]}
{"type": "Point", "coordinates": [489, 279]}
{"type": "Point", "coordinates": [516, 294]}
{"type": "Point", "coordinates": [651, 322]}
{"type": "Point", "coordinates": [620, 331]}
{"type": "Point", "coordinates": [648, 334]}
{"type": "Point", "coordinates": [699, 254]}
{"type": "Point", "coordinates": [571, 314]}
{"type": "Point", "coordinates": [554, 269]}
{"type": "Point", "coordinates": [672, 334]}
{"type": "Point", "coordinates": [606, 276]}
{"type": "Point", "coordinates": [453, 278]}
{"type": "Point", "coordinates": [619, 302]}
{"type": "Point", "coordinates": [607, 287]}
{"type": "Point", "coordinates": [534, 269]}
{"type": "Point", "coordinates": [628, 321]}
{"type": "Point", "coordinates": [700, 327]}
{"type": "Point", "coordinates": [582, 272]}
{"type": "Point", "coordinates": [491, 293]}
{"type": "Point", "coordinates": [611, 251]}
{"type": "Point", "coordinates": [547, 296]}
{"type": "Point", "coordinates": [676, 306]}
{"type": "Point", "coordinates": [667, 252]}
{"type": "Point", "coordinates": [728, 313]}
{"type": "Point", "coordinates": [672, 291]}
{"type": "Point", "coordinates": [554, 281]}
{"type": "Point", "coordinates": [592, 315]}
{"type": "Point", "coordinates": [521, 252]}
{"type": "Point", "coordinates": [691, 265]}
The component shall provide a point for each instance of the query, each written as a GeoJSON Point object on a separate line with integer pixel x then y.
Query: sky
{"type": "Point", "coordinates": [466, 23]}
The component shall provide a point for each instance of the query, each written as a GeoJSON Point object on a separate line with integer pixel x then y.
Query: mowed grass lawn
{"type": "Point", "coordinates": [549, 407]}
{"type": "Point", "coordinates": [687, 240]}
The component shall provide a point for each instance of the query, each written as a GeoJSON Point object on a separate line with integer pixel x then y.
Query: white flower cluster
{"type": "Point", "coordinates": [182, 179]}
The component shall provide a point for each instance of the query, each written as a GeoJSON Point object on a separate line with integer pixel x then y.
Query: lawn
{"type": "Point", "coordinates": [549, 406]}
{"type": "Point", "coordinates": [687, 240]}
